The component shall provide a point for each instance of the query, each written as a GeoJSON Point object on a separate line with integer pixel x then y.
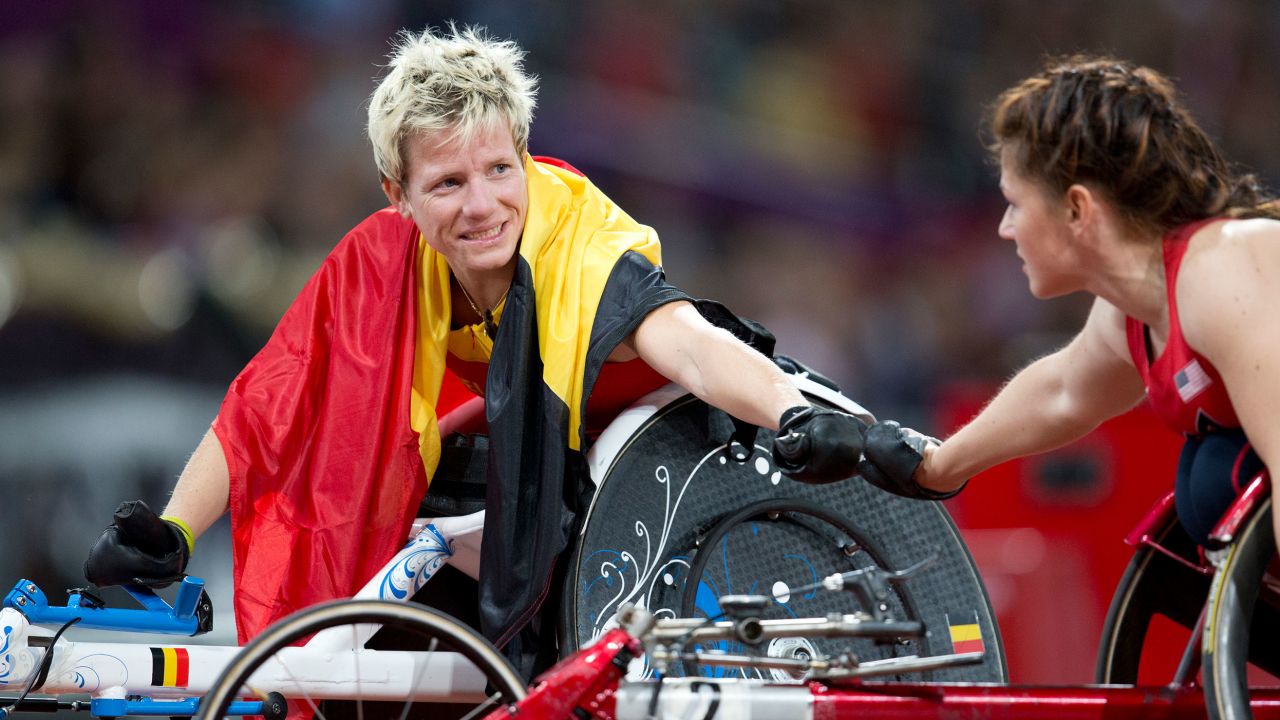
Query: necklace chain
{"type": "Point", "coordinates": [486, 315]}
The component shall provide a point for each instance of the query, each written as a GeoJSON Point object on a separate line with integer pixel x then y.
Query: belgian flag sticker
{"type": "Point", "coordinates": [966, 637]}
{"type": "Point", "coordinates": [169, 667]}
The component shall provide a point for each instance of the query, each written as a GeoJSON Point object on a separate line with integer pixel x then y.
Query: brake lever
{"type": "Point", "coordinates": [870, 585]}
{"type": "Point", "coordinates": [908, 572]}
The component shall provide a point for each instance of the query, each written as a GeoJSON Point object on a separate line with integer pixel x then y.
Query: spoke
{"type": "Point", "coordinates": [489, 702]}
{"type": "Point", "coordinates": [417, 678]}
{"type": "Point", "coordinates": [356, 647]}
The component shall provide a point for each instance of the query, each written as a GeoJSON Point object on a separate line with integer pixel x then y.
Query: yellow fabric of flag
{"type": "Point", "coordinates": [573, 237]}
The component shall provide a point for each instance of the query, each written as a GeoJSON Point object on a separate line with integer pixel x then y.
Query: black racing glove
{"type": "Point", "coordinates": [893, 453]}
{"type": "Point", "coordinates": [138, 547]}
{"type": "Point", "coordinates": [816, 445]}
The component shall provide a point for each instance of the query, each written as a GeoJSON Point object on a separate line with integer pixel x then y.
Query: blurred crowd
{"type": "Point", "coordinates": [171, 172]}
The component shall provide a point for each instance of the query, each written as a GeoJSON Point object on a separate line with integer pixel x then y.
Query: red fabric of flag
{"type": "Point", "coordinates": [325, 470]}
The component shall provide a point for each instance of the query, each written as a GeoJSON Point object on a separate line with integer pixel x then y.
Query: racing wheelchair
{"type": "Point", "coordinates": [730, 563]}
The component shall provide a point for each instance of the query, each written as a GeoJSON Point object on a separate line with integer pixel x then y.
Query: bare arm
{"type": "Point", "coordinates": [1228, 294]}
{"type": "Point", "coordinates": [712, 364]}
{"type": "Point", "coordinates": [1054, 400]}
{"type": "Point", "coordinates": [203, 488]}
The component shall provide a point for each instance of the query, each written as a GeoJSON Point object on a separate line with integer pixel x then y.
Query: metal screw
{"type": "Point", "coordinates": [31, 587]}
{"type": "Point", "coordinates": [21, 600]}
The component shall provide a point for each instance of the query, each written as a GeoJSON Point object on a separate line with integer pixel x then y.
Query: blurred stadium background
{"type": "Point", "coordinates": [172, 172]}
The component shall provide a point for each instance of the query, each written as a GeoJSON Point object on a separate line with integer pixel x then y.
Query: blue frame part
{"type": "Point", "coordinates": [146, 707]}
{"type": "Point", "coordinates": [157, 616]}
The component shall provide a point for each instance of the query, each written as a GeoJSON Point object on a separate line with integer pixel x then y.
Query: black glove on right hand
{"type": "Point", "coordinates": [893, 453]}
{"type": "Point", "coordinates": [817, 445]}
{"type": "Point", "coordinates": [138, 547]}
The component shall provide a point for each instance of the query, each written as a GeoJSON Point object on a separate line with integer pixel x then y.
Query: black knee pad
{"type": "Point", "coordinates": [1212, 470]}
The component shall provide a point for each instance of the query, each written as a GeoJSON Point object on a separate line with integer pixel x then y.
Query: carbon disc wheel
{"type": "Point", "coordinates": [673, 473]}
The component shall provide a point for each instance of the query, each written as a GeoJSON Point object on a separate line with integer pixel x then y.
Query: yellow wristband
{"type": "Point", "coordinates": [185, 529]}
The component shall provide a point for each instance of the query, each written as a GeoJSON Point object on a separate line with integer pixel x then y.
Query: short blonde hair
{"type": "Point", "coordinates": [463, 81]}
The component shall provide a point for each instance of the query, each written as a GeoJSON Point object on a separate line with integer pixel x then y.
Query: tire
{"type": "Point", "coordinates": [1235, 615]}
{"type": "Point", "coordinates": [667, 477]}
{"type": "Point", "coordinates": [505, 685]}
{"type": "Point", "coordinates": [1154, 584]}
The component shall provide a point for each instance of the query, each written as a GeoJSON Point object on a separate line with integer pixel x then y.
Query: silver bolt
{"type": "Point", "coordinates": [22, 600]}
{"type": "Point", "coordinates": [31, 587]}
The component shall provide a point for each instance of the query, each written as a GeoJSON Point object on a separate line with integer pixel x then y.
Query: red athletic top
{"type": "Point", "coordinates": [1183, 388]}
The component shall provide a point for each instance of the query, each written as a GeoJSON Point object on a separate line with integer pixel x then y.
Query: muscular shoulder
{"type": "Point", "coordinates": [1228, 281]}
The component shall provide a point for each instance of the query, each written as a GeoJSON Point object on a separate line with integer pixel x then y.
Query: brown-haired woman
{"type": "Point", "coordinates": [1113, 189]}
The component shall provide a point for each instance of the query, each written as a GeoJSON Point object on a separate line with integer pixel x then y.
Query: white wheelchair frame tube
{"type": "Point", "coordinates": [326, 667]}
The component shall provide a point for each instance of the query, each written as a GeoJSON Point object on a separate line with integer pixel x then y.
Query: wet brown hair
{"type": "Point", "coordinates": [1120, 129]}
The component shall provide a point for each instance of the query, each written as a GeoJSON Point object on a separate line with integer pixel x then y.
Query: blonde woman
{"type": "Point", "coordinates": [521, 278]}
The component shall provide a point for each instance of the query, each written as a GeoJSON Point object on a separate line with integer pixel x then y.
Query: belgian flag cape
{"type": "Point", "coordinates": [318, 429]}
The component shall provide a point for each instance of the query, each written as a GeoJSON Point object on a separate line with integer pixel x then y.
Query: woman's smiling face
{"type": "Point", "coordinates": [468, 197]}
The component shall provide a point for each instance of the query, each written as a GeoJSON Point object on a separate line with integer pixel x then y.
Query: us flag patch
{"type": "Point", "coordinates": [1191, 380]}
